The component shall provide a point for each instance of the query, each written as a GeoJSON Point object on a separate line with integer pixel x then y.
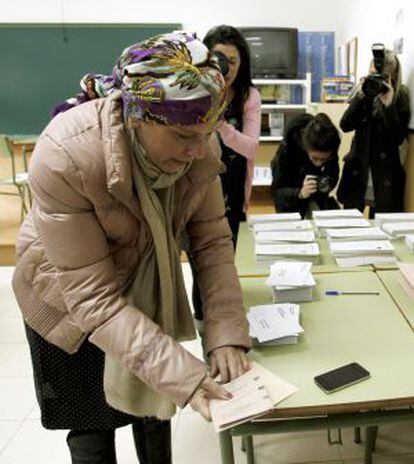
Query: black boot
{"type": "Point", "coordinates": [152, 441]}
{"type": "Point", "coordinates": [92, 446]}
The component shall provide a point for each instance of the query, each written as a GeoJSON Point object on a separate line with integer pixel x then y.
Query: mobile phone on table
{"type": "Point", "coordinates": [341, 377]}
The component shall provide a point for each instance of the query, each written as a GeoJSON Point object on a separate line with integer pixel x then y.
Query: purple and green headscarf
{"type": "Point", "coordinates": [171, 78]}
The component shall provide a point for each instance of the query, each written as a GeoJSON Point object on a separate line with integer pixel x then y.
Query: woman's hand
{"type": "Point", "coordinates": [309, 187]}
{"type": "Point", "coordinates": [208, 390]}
{"type": "Point", "coordinates": [228, 361]}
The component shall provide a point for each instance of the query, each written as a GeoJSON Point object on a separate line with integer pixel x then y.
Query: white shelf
{"type": "Point", "coordinates": [270, 138]}
{"type": "Point", "coordinates": [275, 106]}
{"type": "Point", "coordinates": [303, 82]}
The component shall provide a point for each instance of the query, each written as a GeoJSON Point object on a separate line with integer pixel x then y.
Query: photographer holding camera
{"type": "Point", "coordinates": [305, 169]}
{"type": "Point", "coordinates": [379, 113]}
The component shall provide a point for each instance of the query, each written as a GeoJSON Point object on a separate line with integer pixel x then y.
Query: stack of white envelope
{"type": "Point", "coordinates": [291, 281]}
{"type": "Point", "coordinates": [355, 234]}
{"type": "Point", "coordinates": [276, 324]}
{"type": "Point", "coordinates": [282, 226]}
{"type": "Point", "coordinates": [398, 229]}
{"type": "Point", "coordinates": [253, 219]}
{"type": "Point", "coordinates": [337, 214]}
{"type": "Point", "coordinates": [362, 252]}
{"type": "Point", "coordinates": [382, 218]}
{"type": "Point", "coordinates": [322, 225]}
{"type": "Point", "coordinates": [409, 240]}
{"type": "Point", "coordinates": [285, 236]}
{"type": "Point", "coordinates": [269, 253]}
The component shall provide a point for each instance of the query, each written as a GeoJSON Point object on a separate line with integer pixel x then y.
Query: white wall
{"type": "Point", "coordinates": [307, 15]}
{"type": "Point", "coordinates": [373, 21]}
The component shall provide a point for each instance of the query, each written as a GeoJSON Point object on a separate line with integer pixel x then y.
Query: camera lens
{"type": "Point", "coordinates": [324, 184]}
{"type": "Point", "coordinates": [223, 62]}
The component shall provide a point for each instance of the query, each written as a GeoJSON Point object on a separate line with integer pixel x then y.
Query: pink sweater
{"type": "Point", "coordinates": [245, 143]}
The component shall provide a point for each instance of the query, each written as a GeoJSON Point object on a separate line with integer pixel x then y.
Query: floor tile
{"type": "Point", "coordinates": [15, 361]}
{"type": "Point", "coordinates": [300, 447]}
{"type": "Point", "coordinates": [196, 442]}
{"type": "Point", "coordinates": [17, 398]}
{"type": "Point", "coordinates": [7, 430]}
{"type": "Point", "coordinates": [34, 445]}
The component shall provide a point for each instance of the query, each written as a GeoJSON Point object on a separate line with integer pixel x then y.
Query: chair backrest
{"type": "Point", "coordinates": [6, 151]}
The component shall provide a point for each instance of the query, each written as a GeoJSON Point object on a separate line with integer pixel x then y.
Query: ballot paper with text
{"type": "Point", "coordinates": [254, 393]}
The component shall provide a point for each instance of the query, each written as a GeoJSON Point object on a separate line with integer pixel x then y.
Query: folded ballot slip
{"type": "Point", "coordinates": [255, 393]}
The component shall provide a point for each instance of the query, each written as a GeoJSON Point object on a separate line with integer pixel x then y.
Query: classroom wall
{"type": "Point", "coordinates": [309, 15]}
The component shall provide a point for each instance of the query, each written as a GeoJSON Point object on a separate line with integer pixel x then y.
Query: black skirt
{"type": "Point", "coordinates": [69, 387]}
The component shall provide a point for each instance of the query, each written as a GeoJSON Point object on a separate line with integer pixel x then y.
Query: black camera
{"type": "Point", "coordinates": [223, 62]}
{"type": "Point", "coordinates": [375, 84]}
{"type": "Point", "coordinates": [324, 183]}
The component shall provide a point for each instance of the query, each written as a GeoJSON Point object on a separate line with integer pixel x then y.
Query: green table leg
{"type": "Point", "coordinates": [226, 447]}
{"type": "Point", "coordinates": [248, 439]}
{"type": "Point", "coordinates": [369, 443]}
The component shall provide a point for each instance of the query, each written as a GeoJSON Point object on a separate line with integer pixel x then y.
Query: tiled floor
{"type": "Point", "coordinates": [24, 441]}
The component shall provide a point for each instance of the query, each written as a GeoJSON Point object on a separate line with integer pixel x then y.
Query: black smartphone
{"type": "Point", "coordinates": [341, 377]}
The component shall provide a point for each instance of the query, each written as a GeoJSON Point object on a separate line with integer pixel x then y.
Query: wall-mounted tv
{"type": "Point", "coordinates": [274, 51]}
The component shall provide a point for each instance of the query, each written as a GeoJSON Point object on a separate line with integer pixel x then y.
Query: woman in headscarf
{"type": "Point", "coordinates": [116, 181]}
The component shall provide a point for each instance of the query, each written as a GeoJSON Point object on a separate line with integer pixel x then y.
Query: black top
{"type": "Point", "coordinates": [378, 133]}
{"type": "Point", "coordinates": [234, 178]}
{"type": "Point", "coordinates": [291, 165]}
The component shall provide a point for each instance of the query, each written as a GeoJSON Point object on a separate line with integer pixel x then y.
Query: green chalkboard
{"type": "Point", "coordinates": [41, 65]}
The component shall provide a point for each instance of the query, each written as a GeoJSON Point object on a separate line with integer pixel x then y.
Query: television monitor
{"type": "Point", "coordinates": [274, 51]}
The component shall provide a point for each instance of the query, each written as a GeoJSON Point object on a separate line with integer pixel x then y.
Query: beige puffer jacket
{"type": "Point", "coordinates": [79, 246]}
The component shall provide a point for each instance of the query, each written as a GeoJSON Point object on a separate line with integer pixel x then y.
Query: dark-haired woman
{"type": "Point", "coordinates": [240, 130]}
{"type": "Point", "coordinates": [305, 169]}
{"type": "Point", "coordinates": [239, 134]}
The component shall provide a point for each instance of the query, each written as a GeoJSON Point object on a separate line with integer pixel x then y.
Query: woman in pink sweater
{"type": "Point", "coordinates": [240, 130]}
{"type": "Point", "coordinates": [239, 135]}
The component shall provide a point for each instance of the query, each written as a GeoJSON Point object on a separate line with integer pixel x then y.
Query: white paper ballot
{"type": "Point", "coordinates": [254, 393]}
{"type": "Point", "coordinates": [282, 226]}
{"type": "Point", "coordinates": [365, 260]}
{"type": "Point", "coordinates": [269, 322]}
{"type": "Point", "coordinates": [274, 217]}
{"type": "Point", "coordinates": [293, 249]}
{"type": "Point", "coordinates": [336, 213]}
{"type": "Point", "coordinates": [289, 274]}
{"type": "Point", "coordinates": [364, 233]}
{"type": "Point", "coordinates": [341, 223]}
{"type": "Point", "coordinates": [409, 241]}
{"type": "Point", "coordinates": [398, 229]}
{"type": "Point", "coordinates": [305, 236]}
{"type": "Point", "coordinates": [381, 218]}
{"type": "Point", "coordinates": [250, 398]}
{"type": "Point", "coordinates": [371, 247]}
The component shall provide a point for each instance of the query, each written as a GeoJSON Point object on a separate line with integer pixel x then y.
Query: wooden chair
{"type": "Point", "coordinates": [16, 176]}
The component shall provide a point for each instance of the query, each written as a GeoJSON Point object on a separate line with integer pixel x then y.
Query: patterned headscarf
{"type": "Point", "coordinates": [171, 78]}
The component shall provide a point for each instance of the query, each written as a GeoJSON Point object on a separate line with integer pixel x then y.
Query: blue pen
{"type": "Point", "coordinates": [343, 292]}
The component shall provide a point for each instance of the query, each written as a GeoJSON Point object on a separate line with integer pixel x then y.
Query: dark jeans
{"type": "Point", "coordinates": [152, 439]}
